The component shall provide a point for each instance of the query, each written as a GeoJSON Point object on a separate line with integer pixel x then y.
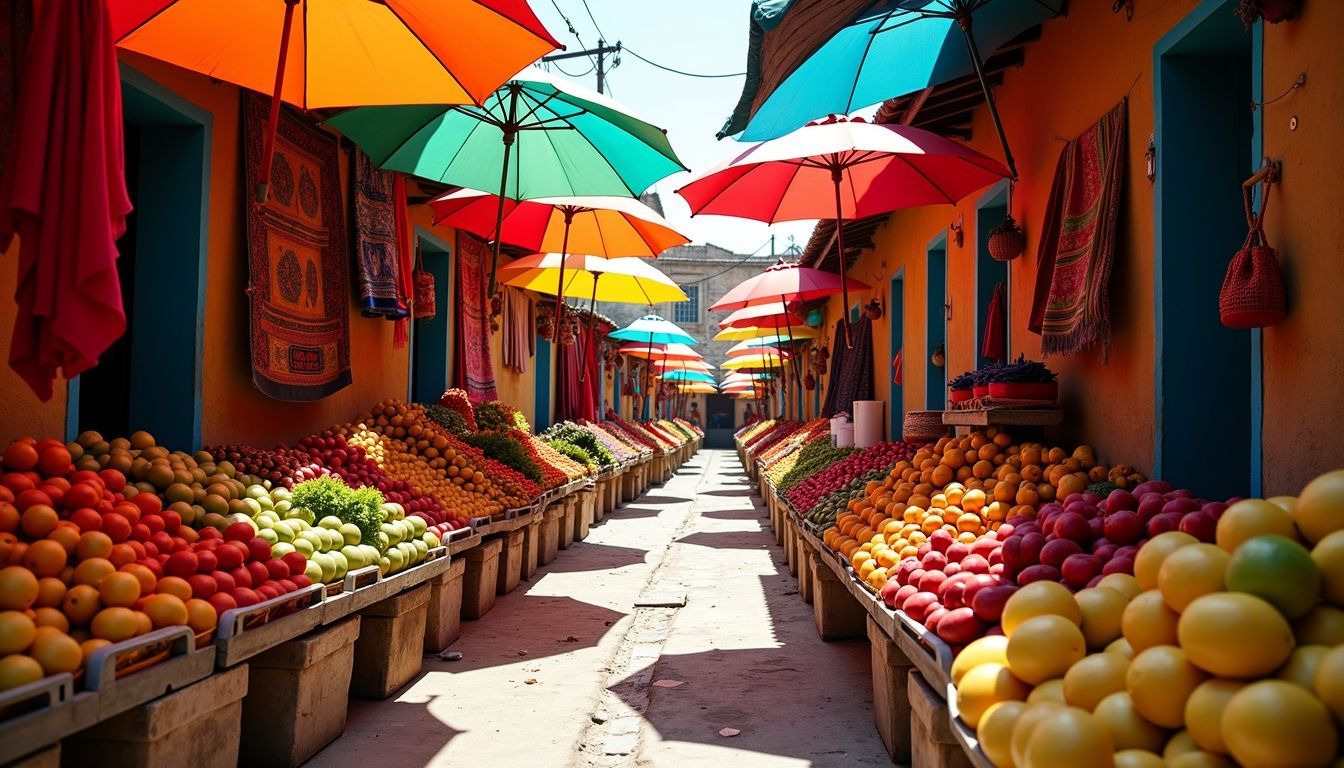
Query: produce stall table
{"type": "Point", "coordinates": [1005, 417]}
{"type": "Point", "coordinates": [51, 709]}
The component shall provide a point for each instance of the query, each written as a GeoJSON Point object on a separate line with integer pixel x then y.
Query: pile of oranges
{"type": "Point", "coordinates": [73, 578]}
{"type": "Point", "coordinates": [455, 492]}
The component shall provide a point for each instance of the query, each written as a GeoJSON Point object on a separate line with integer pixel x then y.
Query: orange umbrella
{"type": "Point", "coordinates": [344, 53]}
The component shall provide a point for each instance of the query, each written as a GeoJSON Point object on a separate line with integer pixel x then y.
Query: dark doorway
{"type": "Point", "coordinates": [989, 272]}
{"type": "Point", "coordinates": [151, 378]}
{"type": "Point", "coordinates": [1207, 388]}
{"type": "Point", "coordinates": [935, 331]}
{"type": "Point", "coordinates": [429, 347]}
{"type": "Point", "coordinates": [896, 318]}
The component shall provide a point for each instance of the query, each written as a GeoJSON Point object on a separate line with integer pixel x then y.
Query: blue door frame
{"type": "Point", "coordinates": [896, 325]}
{"type": "Point", "coordinates": [172, 217]}
{"type": "Point", "coordinates": [935, 329]}
{"type": "Point", "coordinates": [542, 398]}
{"type": "Point", "coordinates": [1208, 386]}
{"type": "Point", "coordinates": [431, 365]}
{"type": "Point", "coordinates": [989, 272]}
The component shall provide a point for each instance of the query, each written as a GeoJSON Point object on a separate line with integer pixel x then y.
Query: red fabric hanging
{"type": "Point", "coordinates": [994, 345]}
{"type": "Point", "coordinates": [406, 262]}
{"type": "Point", "coordinates": [63, 193]}
{"type": "Point", "coordinates": [576, 399]}
{"type": "Point", "coordinates": [896, 369]}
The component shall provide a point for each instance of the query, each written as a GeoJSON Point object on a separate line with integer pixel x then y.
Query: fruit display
{"type": "Point", "coordinates": [815, 456]}
{"type": "Point", "coordinates": [805, 493]}
{"type": "Point", "coordinates": [1222, 651]}
{"type": "Point", "coordinates": [574, 435]}
{"type": "Point", "coordinates": [620, 450]}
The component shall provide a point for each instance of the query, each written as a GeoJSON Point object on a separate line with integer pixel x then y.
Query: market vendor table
{"type": "Point", "coordinates": [1005, 417]}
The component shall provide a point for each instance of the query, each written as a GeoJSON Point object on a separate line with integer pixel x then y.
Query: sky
{"type": "Point", "coordinates": [703, 36]}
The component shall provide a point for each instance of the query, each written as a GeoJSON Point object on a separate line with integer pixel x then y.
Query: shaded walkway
{"type": "Point", "coordinates": [567, 671]}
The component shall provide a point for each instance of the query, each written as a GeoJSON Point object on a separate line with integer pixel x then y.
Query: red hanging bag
{"type": "Point", "coordinates": [1253, 294]}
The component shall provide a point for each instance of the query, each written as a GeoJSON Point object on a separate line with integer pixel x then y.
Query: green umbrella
{"type": "Point", "coordinates": [536, 136]}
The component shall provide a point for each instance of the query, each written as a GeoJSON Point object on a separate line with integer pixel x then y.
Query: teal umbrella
{"type": "Point", "coordinates": [890, 49]}
{"type": "Point", "coordinates": [652, 329]}
{"type": "Point", "coordinates": [536, 136]}
{"type": "Point", "coordinates": [682, 375]}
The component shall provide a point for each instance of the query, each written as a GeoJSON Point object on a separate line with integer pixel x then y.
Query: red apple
{"type": "Point", "coordinates": [181, 564]}
{"type": "Point", "coordinates": [1123, 527]}
{"type": "Point", "coordinates": [1056, 551]}
{"type": "Point", "coordinates": [918, 605]}
{"type": "Point", "coordinates": [960, 626]}
{"type": "Point", "coordinates": [1201, 525]}
{"type": "Point", "coordinates": [1121, 500]}
{"type": "Point", "coordinates": [202, 586]}
{"type": "Point", "coordinates": [1118, 564]}
{"type": "Point", "coordinates": [1037, 573]}
{"type": "Point", "coordinates": [1166, 521]}
{"type": "Point", "coordinates": [988, 602]}
{"type": "Point", "coordinates": [1150, 506]}
{"type": "Point", "coordinates": [1080, 569]}
{"type": "Point", "coordinates": [975, 564]}
{"type": "Point", "coordinates": [930, 581]}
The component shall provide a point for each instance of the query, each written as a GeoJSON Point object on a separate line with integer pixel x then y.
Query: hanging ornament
{"type": "Point", "coordinates": [809, 382]}
{"type": "Point", "coordinates": [1007, 241]}
{"type": "Point", "coordinates": [939, 357]}
{"type": "Point", "coordinates": [873, 310]}
{"type": "Point", "coordinates": [1272, 11]}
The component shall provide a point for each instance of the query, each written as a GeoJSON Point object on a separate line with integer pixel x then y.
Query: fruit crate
{"type": "Point", "coordinates": [367, 586]}
{"type": "Point", "coordinates": [963, 733]}
{"type": "Point", "coordinates": [245, 632]}
{"type": "Point", "coordinates": [117, 677]}
{"type": "Point", "coordinates": [461, 540]}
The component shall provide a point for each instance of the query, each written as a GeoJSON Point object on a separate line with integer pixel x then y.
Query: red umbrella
{"type": "Point", "coordinates": [850, 169]}
{"type": "Point", "coordinates": [762, 315]}
{"type": "Point", "coordinates": [785, 283]}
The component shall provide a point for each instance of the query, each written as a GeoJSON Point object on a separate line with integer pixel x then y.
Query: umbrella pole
{"type": "Point", "coordinates": [510, 130]}
{"type": "Point", "coordinates": [273, 121]}
{"type": "Point", "coordinates": [793, 358]}
{"type": "Point", "coordinates": [964, 21]}
{"type": "Point", "coordinates": [560, 286]}
{"type": "Point", "coordinates": [592, 320]}
{"type": "Point", "coordinates": [837, 174]}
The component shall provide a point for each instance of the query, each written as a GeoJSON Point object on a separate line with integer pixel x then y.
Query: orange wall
{"type": "Point", "coordinates": [1304, 356]}
{"type": "Point", "coordinates": [1080, 68]}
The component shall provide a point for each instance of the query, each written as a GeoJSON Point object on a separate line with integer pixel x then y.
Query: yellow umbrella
{"type": "Point", "coordinates": [745, 349]}
{"type": "Point", "coordinates": [668, 352]}
{"type": "Point", "coordinates": [632, 281]}
{"type": "Point", "coordinates": [762, 332]}
{"type": "Point", "coordinates": [698, 389]}
{"type": "Point", "coordinates": [682, 365]}
{"type": "Point", "coordinates": [753, 361]}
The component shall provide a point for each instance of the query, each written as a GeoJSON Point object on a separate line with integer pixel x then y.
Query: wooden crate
{"type": "Point", "coordinates": [299, 692]}
{"type": "Point", "coordinates": [583, 514]}
{"type": "Point", "coordinates": [837, 613]}
{"type": "Point", "coordinates": [805, 577]}
{"type": "Point", "coordinates": [567, 525]}
{"type": "Point", "coordinates": [480, 578]}
{"type": "Point", "coordinates": [932, 744]}
{"type": "Point", "coordinates": [891, 695]}
{"type": "Point", "coordinates": [197, 726]}
{"type": "Point", "coordinates": [551, 520]}
{"type": "Point", "coordinates": [443, 617]}
{"type": "Point", "coordinates": [510, 562]}
{"type": "Point", "coordinates": [391, 645]}
{"type": "Point", "coordinates": [532, 547]}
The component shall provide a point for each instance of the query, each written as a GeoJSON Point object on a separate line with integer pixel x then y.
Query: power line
{"type": "Point", "coordinates": [732, 266]}
{"type": "Point", "coordinates": [590, 18]}
{"type": "Point", "coordinates": [576, 35]}
{"type": "Point", "coordinates": [676, 71]}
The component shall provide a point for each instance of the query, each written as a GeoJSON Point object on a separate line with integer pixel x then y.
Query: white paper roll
{"type": "Point", "coordinates": [843, 436]}
{"type": "Point", "coordinates": [869, 423]}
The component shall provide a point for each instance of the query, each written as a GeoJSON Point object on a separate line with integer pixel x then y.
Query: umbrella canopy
{"type": "Point", "coordinates": [768, 341]}
{"type": "Point", "coordinates": [632, 281]}
{"type": "Point", "coordinates": [697, 389]}
{"type": "Point", "coordinates": [567, 139]}
{"type": "Point", "coordinates": [841, 168]}
{"type": "Point", "coordinates": [865, 168]}
{"type": "Point", "coordinates": [792, 281]}
{"type": "Point", "coordinates": [753, 361]}
{"type": "Point", "coordinates": [681, 364]}
{"type": "Point", "coordinates": [339, 54]}
{"type": "Point", "coordinates": [652, 329]}
{"type": "Point", "coordinates": [741, 350]}
{"type": "Point", "coordinates": [773, 314]}
{"type": "Point", "coordinates": [893, 50]}
{"type": "Point", "coordinates": [684, 374]}
{"type": "Point", "coordinates": [659, 352]}
{"type": "Point", "coordinates": [598, 226]}
{"type": "Point", "coordinates": [770, 333]}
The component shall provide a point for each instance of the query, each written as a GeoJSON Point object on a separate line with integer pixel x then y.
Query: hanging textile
{"type": "Point", "coordinates": [1071, 306]}
{"type": "Point", "coordinates": [576, 399]}
{"type": "Point", "coordinates": [519, 337]}
{"type": "Point", "coordinates": [994, 346]}
{"type": "Point", "coordinates": [836, 363]}
{"type": "Point", "coordinates": [475, 370]}
{"type": "Point", "coordinates": [16, 24]}
{"type": "Point", "coordinates": [298, 263]}
{"type": "Point", "coordinates": [856, 376]}
{"type": "Point", "coordinates": [63, 192]}
{"type": "Point", "coordinates": [377, 250]}
{"type": "Point", "coordinates": [405, 263]}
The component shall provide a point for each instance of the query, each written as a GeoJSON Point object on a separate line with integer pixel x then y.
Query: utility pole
{"type": "Point", "coordinates": [601, 52]}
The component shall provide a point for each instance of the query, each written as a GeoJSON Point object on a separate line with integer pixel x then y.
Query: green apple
{"type": "Point", "coordinates": [326, 563]}
{"type": "Point", "coordinates": [421, 549]}
{"type": "Point", "coordinates": [353, 557]}
{"type": "Point", "coordinates": [280, 495]}
{"type": "Point", "coordinates": [383, 541]}
{"type": "Point", "coordinates": [350, 533]}
{"type": "Point", "coordinates": [268, 515]}
{"type": "Point", "coordinates": [283, 532]}
{"type": "Point", "coordinates": [330, 521]}
{"type": "Point", "coordinates": [342, 565]}
{"type": "Point", "coordinates": [265, 502]}
{"type": "Point", "coordinates": [284, 506]}
{"type": "Point", "coordinates": [269, 535]}
{"type": "Point", "coordinates": [417, 524]}
{"type": "Point", "coordinates": [431, 540]}
{"type": "Point", "coordinates": [280, 549]}
{"type": "Point", "coordinates": [303, 547]}
{"type": "Point", "coordinates": [397, 558]}
{"type": "Point", "coordinates": [314, 572]}
{"type": "Point", "coordinates": [384, 565]}
{"type": "Point", "coordinates": [256, 492]}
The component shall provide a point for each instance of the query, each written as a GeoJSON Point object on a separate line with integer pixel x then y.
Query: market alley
{"type": "Point", "coordinates": [567, 671]}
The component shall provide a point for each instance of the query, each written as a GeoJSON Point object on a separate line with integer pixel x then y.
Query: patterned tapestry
{"type": "Point", "coordinates": [298, 259]}
{"type": "Point", "coordinates": [377, 250]}
{"type": "Point", "coordinates": [474, 369]}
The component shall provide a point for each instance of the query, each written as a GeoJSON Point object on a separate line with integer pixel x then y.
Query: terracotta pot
{"type": "Point", "coordinates": [1045, 390]}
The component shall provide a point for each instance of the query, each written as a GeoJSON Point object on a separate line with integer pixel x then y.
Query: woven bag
{"type": "Point", "coordinates": [1253, 294]}
{"type": "Point", "coordinates": [422, 290]}
{"type": "Point", "coordinates": [923, 426]}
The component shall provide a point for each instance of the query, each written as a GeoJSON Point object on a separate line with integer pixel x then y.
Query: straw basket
{"type": "Point", "coordinates": [923, 426]}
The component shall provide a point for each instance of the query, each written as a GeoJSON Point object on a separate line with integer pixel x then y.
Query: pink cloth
{"type": "Point", "coordinates": [63, 193]}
